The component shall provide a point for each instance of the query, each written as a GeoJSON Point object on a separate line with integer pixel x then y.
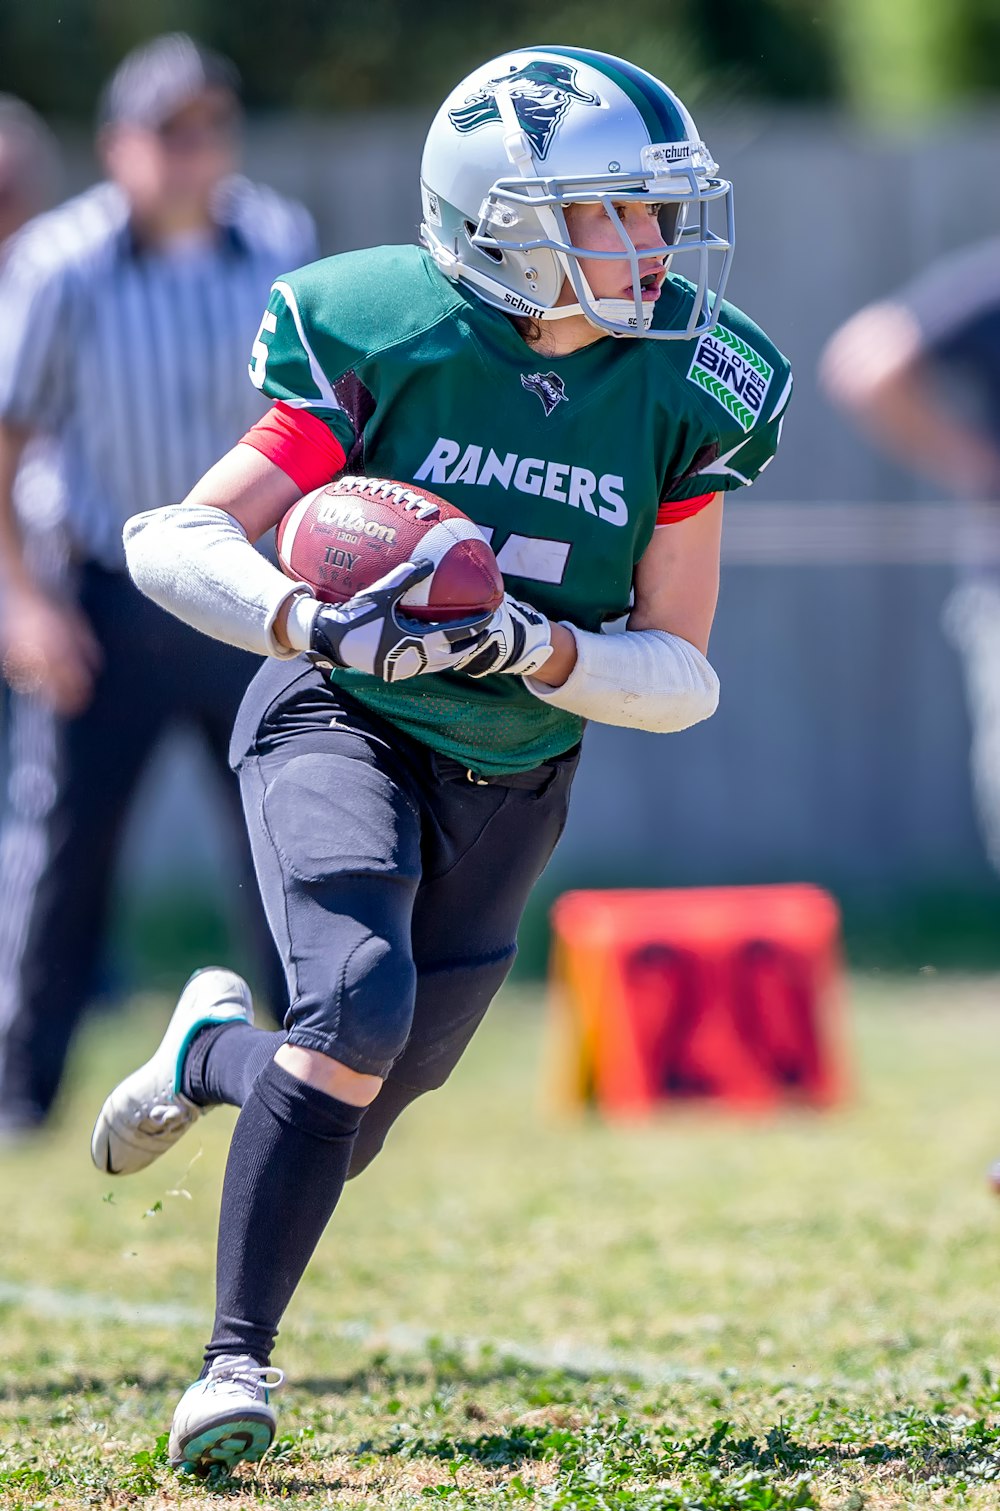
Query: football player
{"type": "Point", "coordinates": [544, 363]}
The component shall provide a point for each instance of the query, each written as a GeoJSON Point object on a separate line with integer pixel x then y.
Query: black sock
{"type": "Point", "coordinates": [224, 1060]}
{"type": "Point", "coordinates": [287, 1164]}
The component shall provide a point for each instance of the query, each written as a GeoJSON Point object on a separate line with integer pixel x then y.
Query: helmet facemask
{"type": "Point", "coordinates": [525, 223]}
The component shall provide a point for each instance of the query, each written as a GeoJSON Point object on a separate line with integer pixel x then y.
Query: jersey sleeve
{"type": "Point", "coordinates": [670, 513]}
{"type": "Point", "coordinates": [743, 387]}
{"type": "Point", "coordinates": [299, 443]}
{"type": "Point", "coordinates": [297, 358]}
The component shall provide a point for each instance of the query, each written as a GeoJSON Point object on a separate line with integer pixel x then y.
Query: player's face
{"type": "Point", "coordinates": [591, 227]}
{"type": "Point", "coordinates": [179, 165]}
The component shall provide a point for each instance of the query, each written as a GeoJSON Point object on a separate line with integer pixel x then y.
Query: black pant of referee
{"type": "Point", "coordinates": [70, 783]}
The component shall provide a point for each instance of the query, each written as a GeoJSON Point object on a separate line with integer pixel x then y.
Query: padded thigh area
{"type": "Point", "coordinates": [337, 848]}
{"type": "Point", "coordinates": [328, 813]}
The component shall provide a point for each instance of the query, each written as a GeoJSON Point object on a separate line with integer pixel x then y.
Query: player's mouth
{"type": "Point", "coordinates": [649, 286]}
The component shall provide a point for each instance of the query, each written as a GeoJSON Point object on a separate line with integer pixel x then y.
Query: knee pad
{"type": "Point", "coordinates": [361, 1012]}
{"type": "Point", "coordinates": [374, 1001]}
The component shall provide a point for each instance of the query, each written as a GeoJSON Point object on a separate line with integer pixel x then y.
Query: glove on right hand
{"type": "Point", "coordinates": [372, 633]}
{"type": "Point", "coordinates": [518, 640]}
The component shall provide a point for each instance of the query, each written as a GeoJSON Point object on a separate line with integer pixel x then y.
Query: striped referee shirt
{"type": "Point", "coordinates": [134, 361]}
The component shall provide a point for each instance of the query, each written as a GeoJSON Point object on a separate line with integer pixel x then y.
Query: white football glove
{"type": "Point", "coordinates": [372, 633]}
{"type": "Point", "coordinates": [518, 639]}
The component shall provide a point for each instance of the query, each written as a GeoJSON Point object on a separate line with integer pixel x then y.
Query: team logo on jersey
{"type": "Point", "coordinates": [549, 387]}
{"type": "Point", "coordinates": [734, 374]}
{"type": "Point", "coordinates": [541, 93]}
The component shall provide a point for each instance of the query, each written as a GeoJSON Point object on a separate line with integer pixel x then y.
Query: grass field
{"type": "Point", "coordinates": [704, 1312]}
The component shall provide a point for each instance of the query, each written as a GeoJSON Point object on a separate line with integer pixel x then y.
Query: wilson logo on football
{"type": "Point", "coordinates": [348, 517]}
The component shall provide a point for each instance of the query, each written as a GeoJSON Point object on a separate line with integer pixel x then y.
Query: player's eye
{"type": "Point", "coordinates": [626, 208]}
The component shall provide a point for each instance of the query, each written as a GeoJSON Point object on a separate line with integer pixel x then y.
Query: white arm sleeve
{"type": "Point", "coordinates": [643, 679]}
{"type": "Point", "coordinates": [196, 561]}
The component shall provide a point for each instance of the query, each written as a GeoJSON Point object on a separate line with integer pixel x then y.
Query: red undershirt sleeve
{"type": "Point", "coordinates": [299, 443]}
{"type": "Point", "coordinates": [670, 513]}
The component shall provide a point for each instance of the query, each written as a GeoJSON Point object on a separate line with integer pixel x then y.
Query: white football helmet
{"type": "Point", "coordinates": [536, 130]}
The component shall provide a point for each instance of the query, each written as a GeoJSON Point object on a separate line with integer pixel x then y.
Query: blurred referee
{"type": "Point", "coordinates": [126, 317]}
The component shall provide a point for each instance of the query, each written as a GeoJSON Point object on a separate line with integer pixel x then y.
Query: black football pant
{"type": "Point", "coordinates": [70, 786]}
{"type": "Point", "coordinates": [393, 884]}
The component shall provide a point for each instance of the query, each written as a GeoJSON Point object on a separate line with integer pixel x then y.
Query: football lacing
{"type": "Point", "coordinates": [381, 487]}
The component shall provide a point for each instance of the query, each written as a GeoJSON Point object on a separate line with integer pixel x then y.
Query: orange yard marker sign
{"type": "Point", "coordinates": [725, 994]}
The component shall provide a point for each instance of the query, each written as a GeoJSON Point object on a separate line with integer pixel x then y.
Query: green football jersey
{"type": "Point", "coordinates": [562, 462]}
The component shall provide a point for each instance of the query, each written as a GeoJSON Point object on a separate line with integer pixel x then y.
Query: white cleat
{"type": "Point", "coordinates": [225, 1419]}
{"type": "Point", "coordinates": [146, 1113]}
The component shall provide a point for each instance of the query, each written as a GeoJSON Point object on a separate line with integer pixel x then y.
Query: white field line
{"type": "Point", "coordinates": [403, 1339]}
{"type": "Point", "coordinates": [395, 1338]}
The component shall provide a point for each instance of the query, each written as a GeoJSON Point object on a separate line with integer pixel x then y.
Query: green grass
{"type": "Point", "coordinates": [702, 1312]}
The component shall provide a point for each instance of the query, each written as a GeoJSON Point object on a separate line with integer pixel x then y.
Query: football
{"type": "Point", "coordinates": [346, 535]}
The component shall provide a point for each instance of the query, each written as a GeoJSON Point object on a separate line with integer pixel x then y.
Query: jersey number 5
{"type": "Point", "coordinates": [258, 366]}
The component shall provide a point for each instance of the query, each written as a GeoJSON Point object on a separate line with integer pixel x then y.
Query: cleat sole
{"type": "Point", "coordinates": [223, 1445]}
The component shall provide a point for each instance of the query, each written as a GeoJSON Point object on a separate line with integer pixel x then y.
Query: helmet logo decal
{"type": "Point", "coordinates": [549, 387]}
{"type": "Point", "coordinates": [541, 92]}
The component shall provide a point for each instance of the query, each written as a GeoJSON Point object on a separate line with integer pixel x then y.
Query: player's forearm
{"type": "Point", "coordinates": [642, 679]}
{"type": "Point", "coordinates": [279, 627]}
{"type": "Point", "coordinates": [196, 562]}
{"type": "Point", "coordinates": [562, 660]}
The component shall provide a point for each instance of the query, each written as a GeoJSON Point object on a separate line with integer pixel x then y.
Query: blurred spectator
{"type": "Point", "coordinates": [920, 373]}
{"type": "Point", "coordinates": [126, 318]}
{"type": "Point", "coordinates": [29, 162]}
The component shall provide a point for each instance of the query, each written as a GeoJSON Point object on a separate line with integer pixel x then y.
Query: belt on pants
{"type": "Point", "coordinates": [535, 780]}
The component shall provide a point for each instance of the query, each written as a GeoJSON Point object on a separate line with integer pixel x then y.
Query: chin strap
{"type": "Point", "coordinates": [619, 311]}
